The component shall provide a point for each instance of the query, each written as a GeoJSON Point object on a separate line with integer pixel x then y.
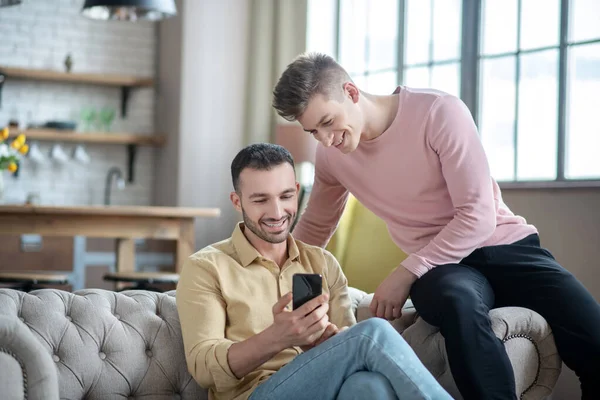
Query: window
{"type": "Point", "coordinates": [432, 47]}
{"type": "Point", "coordinates": [367, 44]}
{"type": "Point", "coordinates": [529, 70]}
{"type": "Point", "coordinates": [539, 67]}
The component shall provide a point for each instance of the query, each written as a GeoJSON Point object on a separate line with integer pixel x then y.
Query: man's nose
{"type": "Point", "coordinates": [277, 210]}
{"type": "Point", "coordinates": [326, 138]}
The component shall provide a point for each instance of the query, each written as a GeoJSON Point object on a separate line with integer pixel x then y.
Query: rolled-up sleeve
{"type": "Point", "coordinates": [202, 313]}
{"type": "Point", "coordinates": [340, 304]}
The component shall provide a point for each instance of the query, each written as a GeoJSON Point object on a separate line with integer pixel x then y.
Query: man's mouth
{"type": "Point", "coordinates": [276, 224]}
{"type": "Point", "coordinates": [341, 140]}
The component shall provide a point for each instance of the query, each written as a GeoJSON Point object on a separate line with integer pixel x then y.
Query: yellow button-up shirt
{"type": "Point", "coordinates": [226, 293]}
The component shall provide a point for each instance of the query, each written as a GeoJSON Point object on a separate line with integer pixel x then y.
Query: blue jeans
{"type": "Point", "coordinates": [368, 361]}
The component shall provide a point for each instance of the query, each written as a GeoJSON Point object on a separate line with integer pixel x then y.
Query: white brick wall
{"type": "Point", "coordinates": [39, 34]}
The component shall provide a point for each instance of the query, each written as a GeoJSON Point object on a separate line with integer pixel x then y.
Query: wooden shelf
{"type": "Point", "coordinates": [75, 77]}
{"type": "Point", "coordinates": [90, 137]}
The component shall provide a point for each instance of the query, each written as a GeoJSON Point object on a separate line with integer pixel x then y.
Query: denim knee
{"type": "Point", "coordinates": [364, 385]}
{"type": "Point", "coordinates": [375, 325]}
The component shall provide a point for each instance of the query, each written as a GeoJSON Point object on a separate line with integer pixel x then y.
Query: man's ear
{"type": "Point", "coordinates": [236, 201]}
{"type": "Point", "coordinates": [351, 91]}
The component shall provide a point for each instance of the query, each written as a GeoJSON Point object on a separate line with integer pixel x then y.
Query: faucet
{"type": "Point", "coordinates": [120, 183]}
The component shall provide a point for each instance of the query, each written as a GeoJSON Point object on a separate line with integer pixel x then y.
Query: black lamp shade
{"type": "Point", "coordinates": [129, 10]}
{"type": "Point", "coordinates": [6, 3]}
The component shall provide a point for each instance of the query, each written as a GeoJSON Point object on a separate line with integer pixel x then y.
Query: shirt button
{"type": "Point", "coordinates": [102, 355]}
{"type": "Point", "coordinates": [55, 358]}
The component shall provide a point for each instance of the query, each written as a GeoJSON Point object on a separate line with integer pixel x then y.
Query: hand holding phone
{"type": "Point", "coordinates": [308, 320]}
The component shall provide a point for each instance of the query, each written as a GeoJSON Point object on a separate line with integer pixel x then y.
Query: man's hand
{"type": "Point", "coordinates": [330, 331]}
{"type": "Point", "coordinates": [392, 293]}
{"type": "Point", "coordinates": [300, 327]}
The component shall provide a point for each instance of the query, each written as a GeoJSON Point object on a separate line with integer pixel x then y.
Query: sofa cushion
{"type": "Point", "coordinates": [106, 344]}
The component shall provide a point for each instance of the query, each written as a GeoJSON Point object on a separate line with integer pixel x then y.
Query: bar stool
{"type": "Point", "coordinates": [28, 281]}
{"type": "Point", "coordinates": [142, 280]}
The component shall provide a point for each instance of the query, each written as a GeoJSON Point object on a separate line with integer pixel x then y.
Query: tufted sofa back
{"type": "Point", "coordinates": [108, 345]}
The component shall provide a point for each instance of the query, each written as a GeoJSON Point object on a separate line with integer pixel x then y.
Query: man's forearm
{"type": "Point", "coordinates": [244, 357]}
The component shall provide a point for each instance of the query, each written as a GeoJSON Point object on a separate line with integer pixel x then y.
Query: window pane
{"type": "Point", "coordinates": [447, 17]}
{"type": "Point", "coordinates": [353, 34]}
{"type": "Point", "coordinates": [418, 31]}
{"type": "Point", "coordinates": [321, 24]}
{"type": "Point", "coordinates": [583, 129]}
{"type": "Point", "coordinates": [416, 77]}
{"type": "Point", "coordinates": [540, 23]}
{"type": "Point", "coordinates": [497, 115]}
{"type": "Point", "coordinates": [538, 116]}
{"type": "Point", "coordinates": [584, 21]}
{"type": "Point", "coordinates": [446, 78]}
{"type": "Point", "coordinates": [499, 26]}
{"type": "Point", "coordinates": [382, 82]}
{"type": "Point", "coordinates": [383, 34]}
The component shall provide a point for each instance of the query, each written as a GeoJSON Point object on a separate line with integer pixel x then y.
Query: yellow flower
{"type": "Point", "coordinates": [12, 167]}
{"type": "Point", "coordinates": [4, 134]}
{"type": "Point", "coordinates": [15, 144]}
{"type": "Point", "coordinates": [24, 149]}
{"type": "Point", "coordinates": [21, 139]}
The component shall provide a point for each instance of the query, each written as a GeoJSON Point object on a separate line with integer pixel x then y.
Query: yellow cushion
{"type": "Point", "coordinates": [364, 248]}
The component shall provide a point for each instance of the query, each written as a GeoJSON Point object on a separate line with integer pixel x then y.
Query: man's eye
{"type": "Point", "coordinates": [287, 197]}
{"type": "Point", "coordinates": [259, 201]}
{"type": "Point", "coordinates": [328, 123]}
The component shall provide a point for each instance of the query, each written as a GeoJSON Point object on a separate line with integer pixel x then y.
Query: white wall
{"type": "Point", "coordinates": [39, 34]}
{"type": "Point", "coordinates": [569, 225]}
{"type": "Point", "coordinates": [207, 111]}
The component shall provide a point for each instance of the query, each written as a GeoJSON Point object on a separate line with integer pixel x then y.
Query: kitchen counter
{"type": "Point", "coordinates": [123, 223]}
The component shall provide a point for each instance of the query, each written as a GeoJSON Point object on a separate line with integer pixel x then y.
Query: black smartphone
{"type": "Point", "coordinates": [305, 287]}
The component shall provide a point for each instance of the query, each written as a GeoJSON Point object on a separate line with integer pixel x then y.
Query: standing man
{"type": "Point", "coordinates": [414, 158]}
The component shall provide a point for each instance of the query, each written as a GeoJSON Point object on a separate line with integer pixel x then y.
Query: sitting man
{"type": "Point", "coordinates": [241, 339]}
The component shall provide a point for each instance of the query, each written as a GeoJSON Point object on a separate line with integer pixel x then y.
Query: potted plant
{"type": "Point", "coordinates": [10, 153]}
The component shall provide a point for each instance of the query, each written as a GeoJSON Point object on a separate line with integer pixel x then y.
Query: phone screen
{"type": "Point", "coordinates": [306, 287]}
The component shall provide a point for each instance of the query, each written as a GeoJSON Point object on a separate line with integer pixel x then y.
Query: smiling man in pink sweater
{"type": "Point", "coordinates": [415, 159]}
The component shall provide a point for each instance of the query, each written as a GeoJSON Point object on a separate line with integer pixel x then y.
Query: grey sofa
{"type": "Point", "coordinates": [96, 344]}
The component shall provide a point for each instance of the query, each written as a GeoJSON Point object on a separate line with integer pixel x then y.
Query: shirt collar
{"type": "Point", "coordinates": [248, 253]}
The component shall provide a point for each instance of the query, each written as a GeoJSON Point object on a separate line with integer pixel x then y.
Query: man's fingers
{"type": "Point", "coordinates": [330, 331]}
{"type": "Point", "coordinates": [316, 315]}
{"type": "Point", "coordinates": [309, 306]}
{"type": "Point", "coordinates": [315, 332]}
{"type": "Point", "coordinates": [373, 306]}
{"type": "Point", "coordinates": [397, 312]}
{"type": "Point", "coordinates": [282, 303]}
{"type": "Point", "coordinates": [389, 312]}
{"type": "Point", "coordinates": [380, 310]}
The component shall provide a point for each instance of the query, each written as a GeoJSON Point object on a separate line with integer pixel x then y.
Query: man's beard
{"type": "Point", "coordinates": [256, 228]}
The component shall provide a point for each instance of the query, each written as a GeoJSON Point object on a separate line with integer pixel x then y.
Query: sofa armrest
{"type": "Point", "coordinates": [530, 345]}
{"type": "Point", "coordinates": [526, 335]}
{"type": "Point", "coordinates": [28, 371]}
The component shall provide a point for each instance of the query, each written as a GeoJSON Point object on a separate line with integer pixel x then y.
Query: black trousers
{"type": "Point", "coordinates": [457, 299]}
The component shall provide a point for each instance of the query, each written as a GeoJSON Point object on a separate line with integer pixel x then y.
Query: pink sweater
{"type": "Point", "coordinates": [426, 176]}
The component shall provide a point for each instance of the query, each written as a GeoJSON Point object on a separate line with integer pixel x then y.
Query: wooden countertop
{"type": "Point", "coordinates": [125, 211]}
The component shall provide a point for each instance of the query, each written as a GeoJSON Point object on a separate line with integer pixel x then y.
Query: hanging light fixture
{"type": "Point", "coordinates": [129, 10]}
{"type": "Point", "coordinates": [6, 3]}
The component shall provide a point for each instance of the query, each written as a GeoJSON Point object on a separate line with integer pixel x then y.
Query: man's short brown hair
{"type": "Point", "coordinates": [308, 75]}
